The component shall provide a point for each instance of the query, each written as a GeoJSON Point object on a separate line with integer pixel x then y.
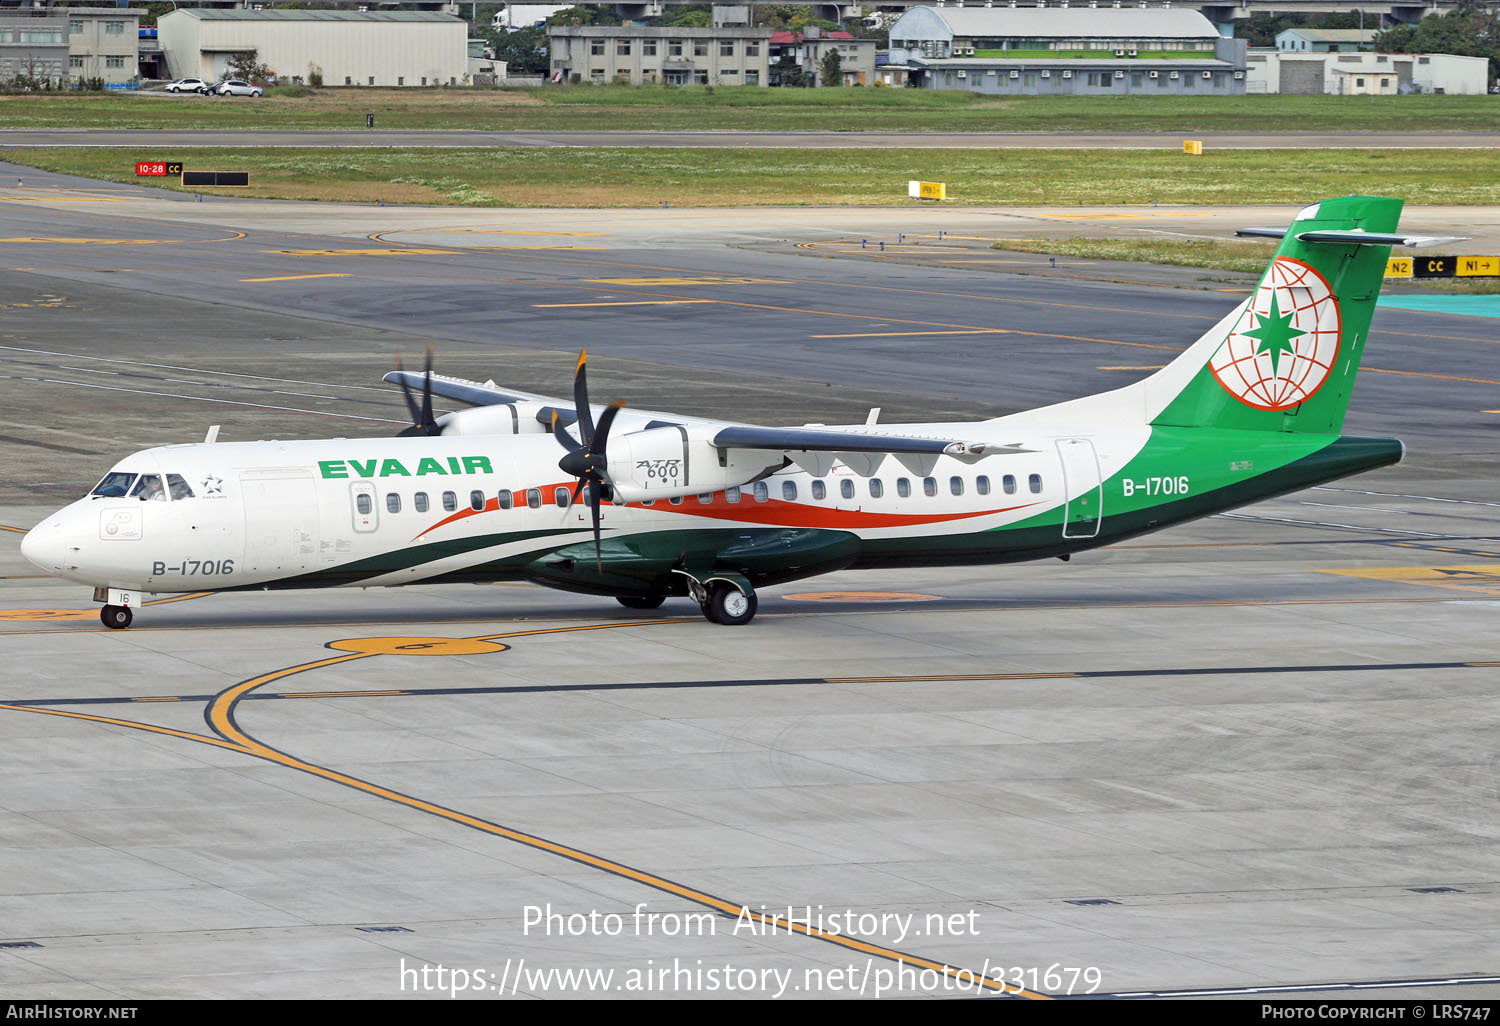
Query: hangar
{"type": "Point", "coordinates": [365, 48]}
{"type": "Point", "coordinates": [1042, 51]}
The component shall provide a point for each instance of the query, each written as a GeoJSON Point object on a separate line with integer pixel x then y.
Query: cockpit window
{"type": "Point", "coordinates": [115, 484]}
{"type": "Point", "coordinates": [178, 488]}
{"type": "Point", "coordinates": [149, 487]}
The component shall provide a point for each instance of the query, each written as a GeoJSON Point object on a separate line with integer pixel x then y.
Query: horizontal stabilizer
{"type": "Point", "coordinates": [1355, 236]}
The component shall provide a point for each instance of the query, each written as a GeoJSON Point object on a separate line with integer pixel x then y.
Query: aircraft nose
{"type": "Point", "coordinates": [45, 544]}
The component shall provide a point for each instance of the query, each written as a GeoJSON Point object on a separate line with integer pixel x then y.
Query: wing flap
{"type": "Point", "coordinates": [744, 436]}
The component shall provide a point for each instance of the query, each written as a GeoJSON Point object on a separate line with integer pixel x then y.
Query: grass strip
{"type": "Point", "coordinates": [749, 108]}
{"type": "Point", "coordinates": [1250, 255]}
{"type": "Point", "coordinates": [641, 177]}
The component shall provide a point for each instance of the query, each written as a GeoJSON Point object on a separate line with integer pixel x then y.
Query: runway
{"type": "Point", "coordinates": [361, 137]}
{"type": "Point", "coordinates": [1252, 752]}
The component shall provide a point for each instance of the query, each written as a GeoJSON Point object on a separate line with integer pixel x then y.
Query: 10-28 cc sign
{"type": "Point", "coordinates": [158, 167]}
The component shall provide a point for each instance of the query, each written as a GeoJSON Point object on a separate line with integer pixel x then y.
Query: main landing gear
{"type": "Point", "coordinates": [726, 599]}
{"type": "Point", "coordinates": [729, 606]}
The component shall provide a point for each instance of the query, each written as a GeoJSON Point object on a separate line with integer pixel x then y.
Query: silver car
{"type": "Point", "coordinates": [188, 85]}
{"type": "Point", "coordinates": [236, 87]}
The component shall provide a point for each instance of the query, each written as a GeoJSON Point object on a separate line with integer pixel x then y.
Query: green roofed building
{"type": "Point", "coordinates": [1045, 51]}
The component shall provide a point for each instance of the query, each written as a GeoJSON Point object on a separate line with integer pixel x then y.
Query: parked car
{"type": "Point", "coordinates": [189, 85]}
{"type": "Point", "coordinates": [236, 87]}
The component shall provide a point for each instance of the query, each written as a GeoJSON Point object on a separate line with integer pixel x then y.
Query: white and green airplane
{"type": "Point", "coordinates": [642, 506]}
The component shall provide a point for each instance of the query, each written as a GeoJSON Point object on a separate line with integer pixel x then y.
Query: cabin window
{"type": "Point", "coordinates": [1034, 482]}
{"type": "Point", "coordinates": [149, 487]}
{"type": "Point", "coordinates": [392, 502]}
{"type": "Point", "coordinates": [476, 501]}
{"type": "Point", "coordinates": [903, 487]}
{"type": "Point", "coordinates": [819, 490]}
{"type": "Point", "coordinates": [876, 488]}
{"type": "Point", "coordinates": [1009, 481]}
{"type": "Point", "coordinates": [956, 485]}
{"type": "Point", "coordinates": [846, 488]}
{"type": "Point", "coordinates": [789, 491]}
{"type": "Point", "coordinates": [560, 497]}
{"type": "Point", "coordinates": [450, 502]}
{"type": "Point", "coordinates": [982, 485]}
{"type": "Point", "coordinates": [588, 496]}
{"type": "Point", "coordinates": [178, 488]}
{"type": "Point", "coordinates": [732, 494]}
{"type": "Point", "coordinates": [115, 484]}
{"type": "Point", "coordinates": [929, 486]}
{"type": "Point", "coordinates": [503, 498]}
{"type": "Point", "coordinates": [704, 498]}
{"type": "Point", "coordinates": [419, 502]}
{"type": "Point", "coordinates": [762, 492]}
{"type": "Point", "coordinates": [675, 500]}
{"type": "Point", "coordinates": [364, 504]}
{"type": "Point", "coordinates": [534, 498]}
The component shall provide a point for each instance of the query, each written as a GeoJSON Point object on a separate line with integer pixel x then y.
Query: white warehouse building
{"type": "Point", "coordinates": [347, 48]}
{"type": "Point", "coordinates": [1358, 74]}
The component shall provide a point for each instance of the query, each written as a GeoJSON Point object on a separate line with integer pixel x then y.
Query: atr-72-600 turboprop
{"type": "Point", "coordinates": [641, 506]}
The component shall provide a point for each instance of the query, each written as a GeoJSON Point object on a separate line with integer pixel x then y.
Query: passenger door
{"type": "Point", "coordinates": [1082, 486]}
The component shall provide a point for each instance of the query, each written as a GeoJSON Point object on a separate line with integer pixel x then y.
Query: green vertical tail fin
{"type": "Point", "coordinates": [1286, 360]}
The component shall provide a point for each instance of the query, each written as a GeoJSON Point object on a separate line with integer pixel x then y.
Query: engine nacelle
{"type": "Point", "coordinates": [663, 462]}
{"type": "Point", "coordinates": [503, 419]}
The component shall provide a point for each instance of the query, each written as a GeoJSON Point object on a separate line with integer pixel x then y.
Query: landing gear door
{"type": "Point", "coordinates": [1084, 489]}
{"type": "Point", "coordinates": [362, 507]}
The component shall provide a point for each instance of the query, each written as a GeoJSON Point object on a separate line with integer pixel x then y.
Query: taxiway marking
{"type": "Point", "coordinates": [227, 734]}
{"type": "Point", "coordinates": [297, 277]}
{"type": "Point", "coordinates": [632, 302]}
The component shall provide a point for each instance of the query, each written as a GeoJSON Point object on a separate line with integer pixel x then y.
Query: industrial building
{"type": "Point", "coordinates": [810, 46]}
{"type": "Point", "coordinates": [1357, 74]}
{"type": "Point", "coordinates": [33, 45]}
{"type": "Point", "coordinates": [1318, 40]}
{"type": "Point", "coordinates": [1060, 51]}
{"type": "Point", "coordinates": [345, 48]}
{"type": "Point", "coordinates": [726, 55]}
{"type": "Point", "coordinates": [103, 44]}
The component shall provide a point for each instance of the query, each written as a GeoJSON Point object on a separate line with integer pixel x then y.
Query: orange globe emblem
{"type": "Point", "coordinates": [1284, 345]}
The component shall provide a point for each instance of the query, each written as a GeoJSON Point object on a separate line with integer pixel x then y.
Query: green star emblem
{"type": "Point", "coordinates": [1275, 334]}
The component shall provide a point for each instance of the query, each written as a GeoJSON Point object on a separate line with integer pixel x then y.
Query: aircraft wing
{"type": "Point", "coordinates": [464, 390]}
{"type": "Point", "coordinates": [745, 436]}
{"type": "Point", "coordinates": [812, 446]}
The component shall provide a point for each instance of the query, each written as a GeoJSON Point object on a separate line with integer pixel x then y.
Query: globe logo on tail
{"type": "Point", "coordinates": [1283, 347]}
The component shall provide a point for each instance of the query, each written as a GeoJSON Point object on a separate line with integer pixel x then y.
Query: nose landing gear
{"type": "Point", "coordinates": [116, 618]}
{"type": "Point", "coordinates": [116, 614]}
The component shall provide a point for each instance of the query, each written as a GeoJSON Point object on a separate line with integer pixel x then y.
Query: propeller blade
{"type": "Point", "coordinates": [422, 420]}
{"type": "Point", "coordinates": [598, 554]}
{"type": "Point", "coordinates": [561, 434]}
{"type": "Point", "coordinates": [411, 404]}
{"type": "Point", "coordinates": [581, 400]}
{"type": "Point", "coordinates": [428, 422]}
{"type": "Point", "coordinates": [601, 436]}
